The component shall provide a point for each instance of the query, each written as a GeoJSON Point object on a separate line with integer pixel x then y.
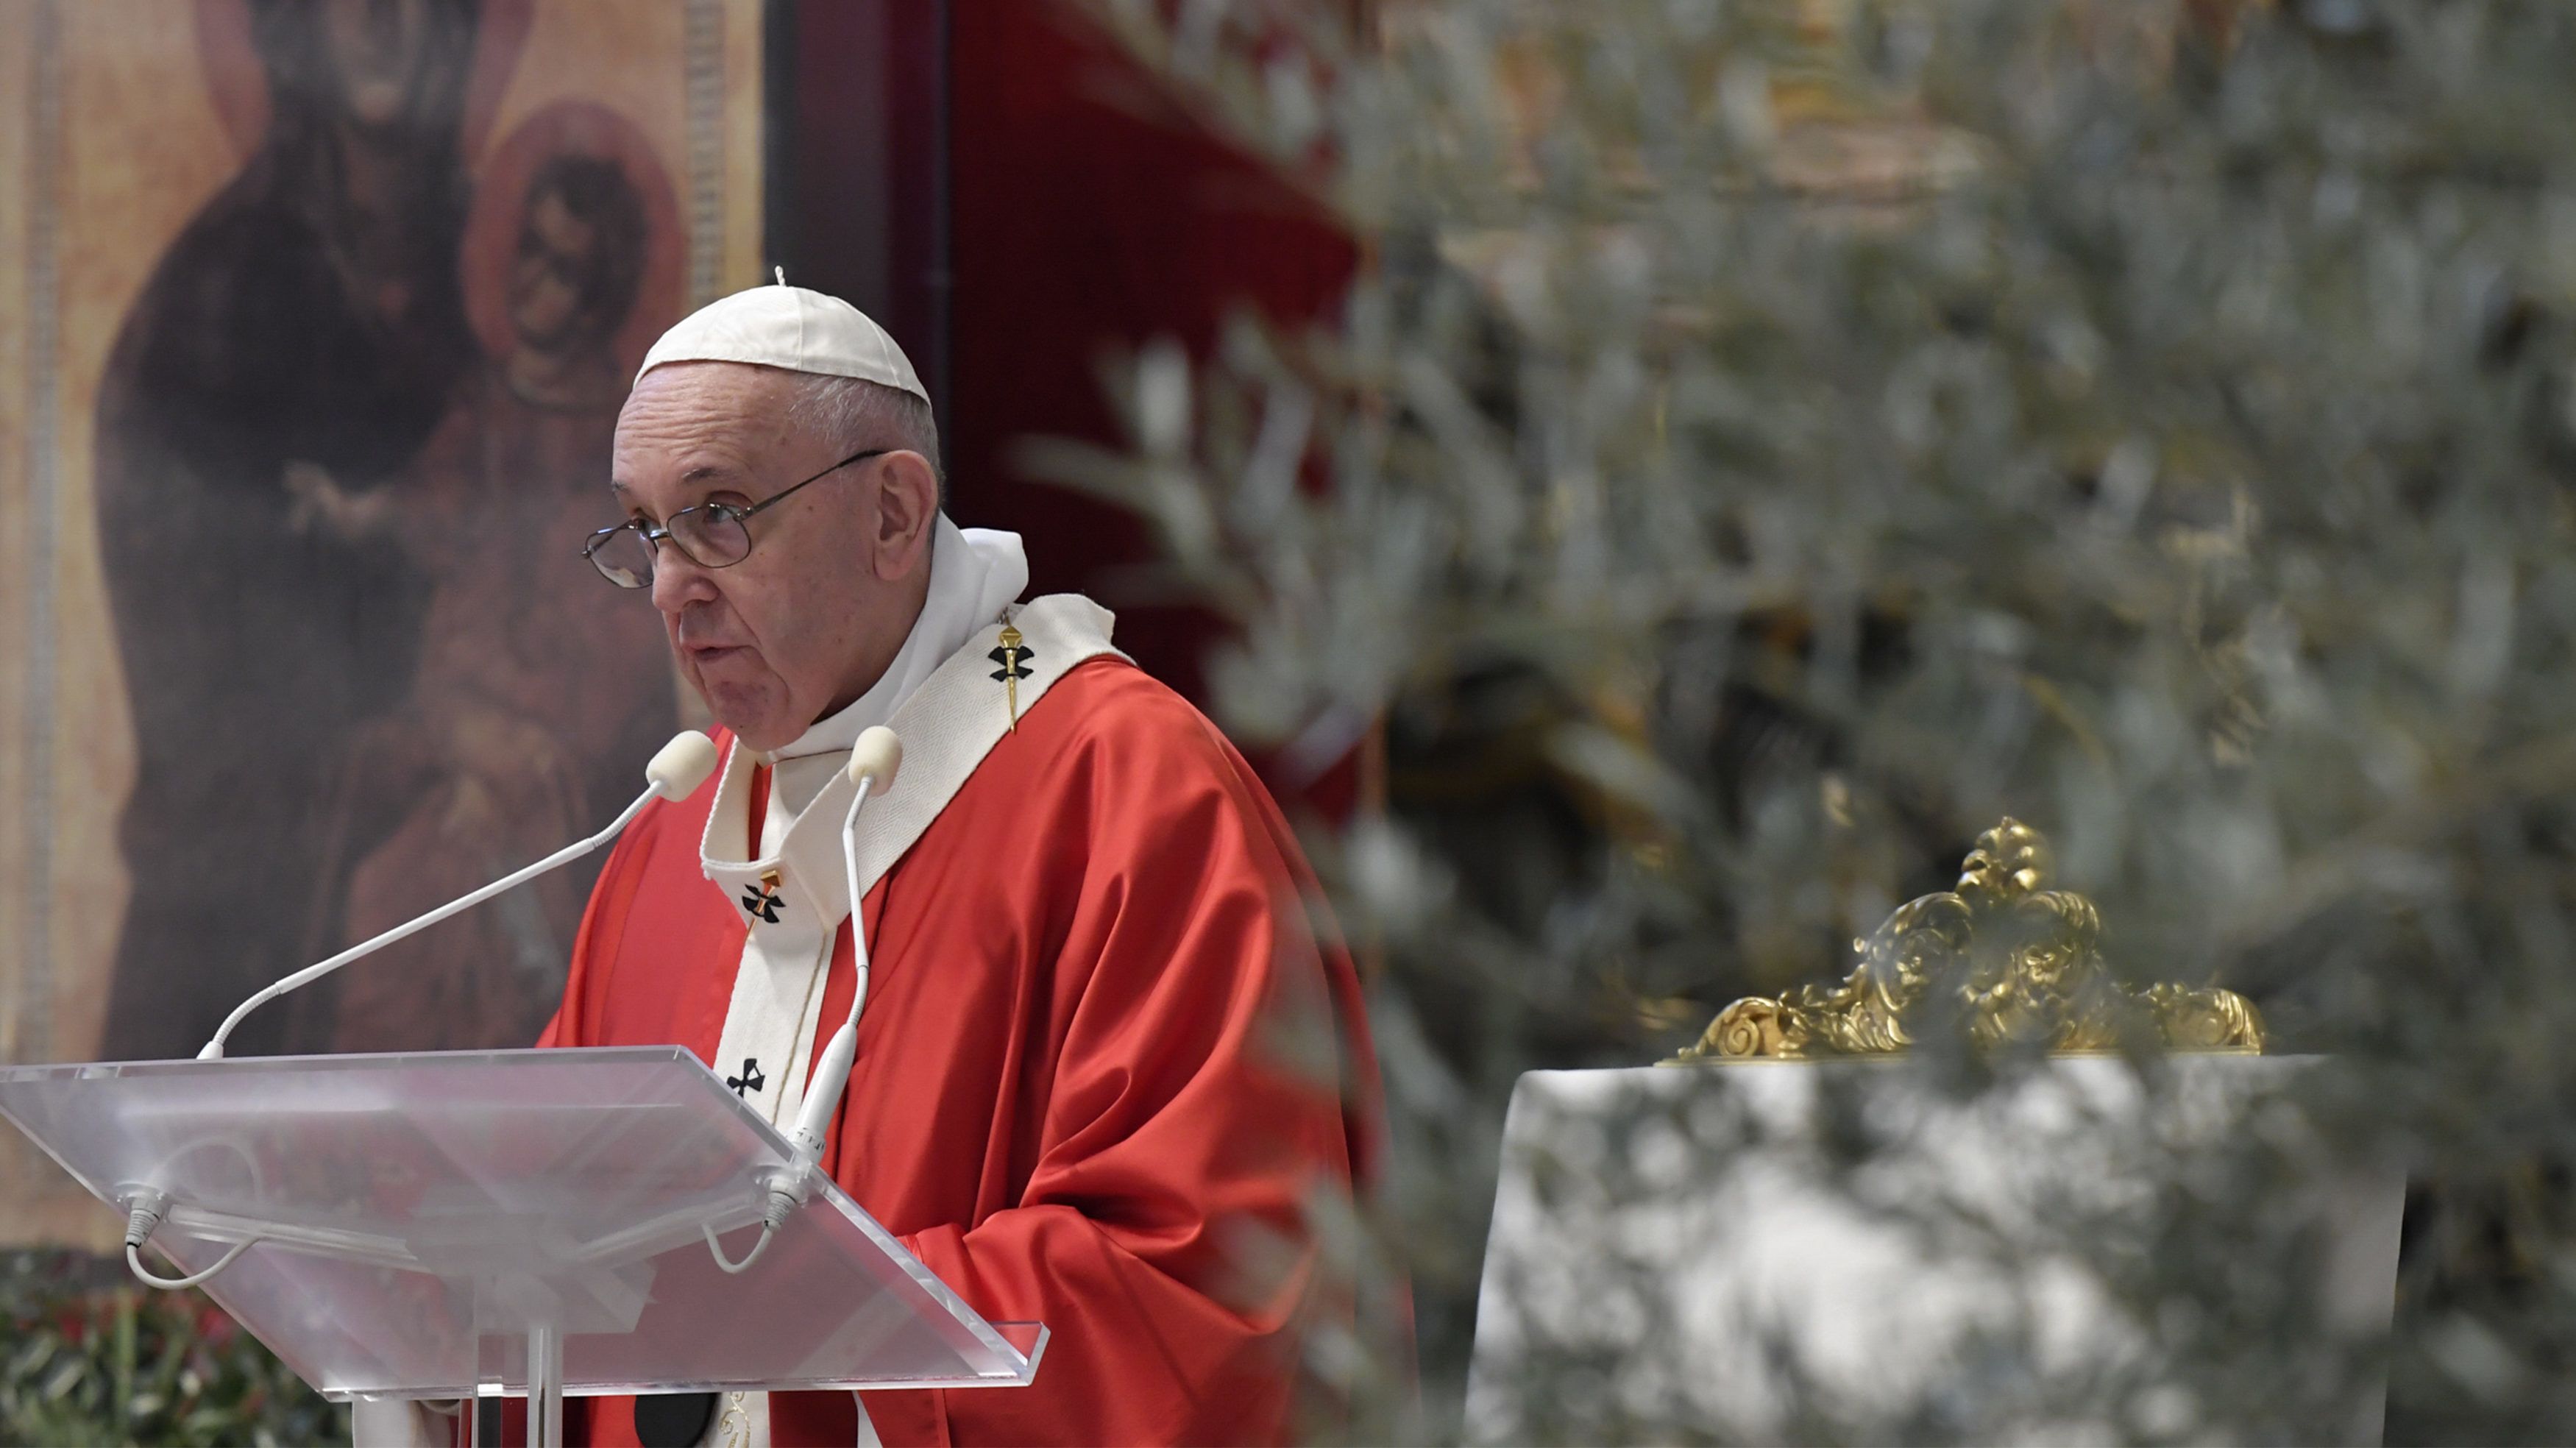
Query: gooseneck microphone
{"type": "Point", "coordinates": [674, 774]}
{"type": "Point", "coordinates": [873, 762]}
{"type": "Point", "coordinates": [874, 759]}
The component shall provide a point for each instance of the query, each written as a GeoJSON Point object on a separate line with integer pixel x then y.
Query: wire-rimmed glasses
{"type": "Point", "coordinates": [710, 535]}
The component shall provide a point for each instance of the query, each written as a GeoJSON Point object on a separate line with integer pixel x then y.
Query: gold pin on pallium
{"type": "Point", "coordinates": [1013, 656]}
{"type": "Point", "coordinates": [764, 901]}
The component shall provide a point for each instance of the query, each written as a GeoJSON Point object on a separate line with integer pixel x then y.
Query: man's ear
{"type": "Point", "coordinates": [907, 514]}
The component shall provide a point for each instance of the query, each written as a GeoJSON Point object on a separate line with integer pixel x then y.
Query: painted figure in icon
{"type": "Point", "coordinates": [539, 691]}
{"type": "Point", "coordinates": [308, 318]}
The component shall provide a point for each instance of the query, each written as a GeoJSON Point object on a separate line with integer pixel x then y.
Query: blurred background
{"type": "Point", "coordinates": [1649, 481]}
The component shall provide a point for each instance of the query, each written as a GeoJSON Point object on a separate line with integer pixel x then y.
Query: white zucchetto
{"type": "Point", "coordinates": [791, 328]}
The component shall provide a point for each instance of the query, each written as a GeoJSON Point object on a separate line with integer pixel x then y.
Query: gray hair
{"type": "Point", "coordinates": [855, 414]}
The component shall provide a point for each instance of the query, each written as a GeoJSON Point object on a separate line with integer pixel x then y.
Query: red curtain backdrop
{"type": "Point", "coordinates": [1091, 213]}
{"type": "Point", "coordinates": [1084, 208]}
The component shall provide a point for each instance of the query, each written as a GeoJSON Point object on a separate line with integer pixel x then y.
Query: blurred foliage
{"type": "Point", "coordinates": [1775, 440]}
{"type": "Point", "coordinates": [89, 1357]}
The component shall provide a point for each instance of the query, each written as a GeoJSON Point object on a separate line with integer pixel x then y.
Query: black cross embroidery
{"type": "Point", "coordinates": [750, 1080]}
{"type": "Point", "coordinates": [761, 900]}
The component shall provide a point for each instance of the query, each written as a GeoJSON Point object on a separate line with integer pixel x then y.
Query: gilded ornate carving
{"type": "Point", "coordinates": [2025, 962]}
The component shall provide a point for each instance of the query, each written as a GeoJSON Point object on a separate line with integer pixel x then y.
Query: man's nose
{"type": "Point", "coordinates": [678, 581]}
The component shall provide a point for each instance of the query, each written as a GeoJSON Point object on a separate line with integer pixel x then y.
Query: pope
{"type": "Point", "coordinates": [1106, 1060]}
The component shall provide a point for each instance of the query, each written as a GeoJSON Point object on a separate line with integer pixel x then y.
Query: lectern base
{"type": "Point", "coordinates": [545, 1388]}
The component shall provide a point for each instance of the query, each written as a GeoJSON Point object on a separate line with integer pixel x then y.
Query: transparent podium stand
{"type": "Point", "coordinates": [502, 1223]}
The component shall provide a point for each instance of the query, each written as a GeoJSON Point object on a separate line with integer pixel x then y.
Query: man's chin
{"type": "Point", "coordinates": [759, 728]}
{"type": "Point", "coordinates": [764, 740]}
{"type": "Point", "coordinates": [755, 715]}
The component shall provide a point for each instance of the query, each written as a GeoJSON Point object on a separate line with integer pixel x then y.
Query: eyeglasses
{"type": "Point", "coordinates": [710, 535]}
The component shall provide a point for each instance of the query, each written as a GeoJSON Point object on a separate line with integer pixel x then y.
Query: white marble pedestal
{"type": "Point", "coordinates": [1687, 1253]}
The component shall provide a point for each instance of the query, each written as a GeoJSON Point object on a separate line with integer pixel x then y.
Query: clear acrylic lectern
{"type": "Point", "coordinates": [509, 1222]}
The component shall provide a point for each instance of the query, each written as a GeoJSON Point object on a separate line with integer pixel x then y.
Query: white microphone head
{"type": "Point", "coordinates": [682, 765]}
{"type": "Point", "coordinates": [877, 756]}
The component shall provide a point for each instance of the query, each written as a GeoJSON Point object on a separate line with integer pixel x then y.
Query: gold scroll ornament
{"type": "Point", "coordinates": [2027, 965]}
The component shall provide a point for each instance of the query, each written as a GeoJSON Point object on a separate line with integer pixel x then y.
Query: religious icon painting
{"type": "Point", "coordinates": [327, 312]}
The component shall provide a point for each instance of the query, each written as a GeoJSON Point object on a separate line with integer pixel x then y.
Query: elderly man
{"type": "Point", "coordinates": [1103, 1062]}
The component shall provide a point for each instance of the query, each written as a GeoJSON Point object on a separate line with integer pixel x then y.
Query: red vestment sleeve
{"type": "Point", "coordinates": [1195, 1105]}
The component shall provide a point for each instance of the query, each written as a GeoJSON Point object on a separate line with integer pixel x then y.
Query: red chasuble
{"type": "Point", "coordinates": [1103, 1066]}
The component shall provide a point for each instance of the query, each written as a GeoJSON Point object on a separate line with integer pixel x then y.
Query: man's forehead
{"type": "Point", "coordinates": [722, 389]}
{"type": "Point", "coordinates": [656, 463]}
{"type": "Point", "coordinates": [704, 417]}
